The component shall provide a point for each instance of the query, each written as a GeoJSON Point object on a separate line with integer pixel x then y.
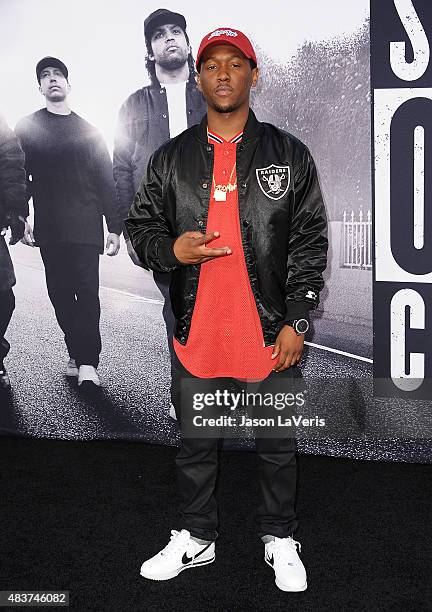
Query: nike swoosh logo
{"type": "Point", "coordinates": [186, 559]}
{"type": "Point", "coordinates": [271, 560]}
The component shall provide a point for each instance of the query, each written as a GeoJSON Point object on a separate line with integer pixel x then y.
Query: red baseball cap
{"type": "Point", "coordinates": [227, 36]}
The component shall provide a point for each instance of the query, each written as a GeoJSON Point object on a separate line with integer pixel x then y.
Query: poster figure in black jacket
{"type": "Point", "coordinates": [233, 209]}
{"type": "Point", "coordinates": [13, 212]}
{"type": "Point", "coordinates": [72, 189]}
{"type": "Point", "coordinates": [152, 115]}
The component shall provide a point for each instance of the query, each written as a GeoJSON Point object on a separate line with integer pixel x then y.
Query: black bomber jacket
{"type": "Point", "coordinates": [282, 219]}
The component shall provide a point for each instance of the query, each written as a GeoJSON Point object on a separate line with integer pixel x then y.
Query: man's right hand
{"type": "Point", "coordinates": [190, 248]}
{"type": "Point", "coordinates": [28, 237]}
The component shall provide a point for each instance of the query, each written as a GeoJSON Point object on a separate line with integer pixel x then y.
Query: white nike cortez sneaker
{"type": "Point", "coordinates": [71, 368]}
{"type": "Point", "coordinates": [179, 554]}
{"type": "Point", "coordinates": [290, 574]}
{"type": "Point", "coordinates": [88, 374]}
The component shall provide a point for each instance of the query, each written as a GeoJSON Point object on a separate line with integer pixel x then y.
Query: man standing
{"type": "Point", "coordinates": [241, 291]}
{"type": "Point", "coordinates": [152, 115]}
{"type": "Point", "coordinates": [13, 212]}
{"type": "Point", "coordinates": [72, 189]}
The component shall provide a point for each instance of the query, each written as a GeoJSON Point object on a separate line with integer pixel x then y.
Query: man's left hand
{"type": "Point", "coordinates": [288, 347]}
{"type": "Point", "coordinates": [112, 244]}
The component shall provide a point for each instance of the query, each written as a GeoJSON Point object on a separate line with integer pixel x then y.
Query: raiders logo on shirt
{"type": "Point", "coordinates": [274, 180]}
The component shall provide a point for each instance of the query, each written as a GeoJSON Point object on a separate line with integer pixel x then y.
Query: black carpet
{"type": "Point", "coordinates": [83, 516]}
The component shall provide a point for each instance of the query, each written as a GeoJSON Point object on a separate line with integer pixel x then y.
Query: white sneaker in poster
{"type": "Point", "coordinates": [71, 368]}
{"type": "Point", "coordinates": [87, 374]}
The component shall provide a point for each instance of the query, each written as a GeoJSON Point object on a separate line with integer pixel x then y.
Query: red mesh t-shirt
{"type": "Point", "coordinates": [225, 337]}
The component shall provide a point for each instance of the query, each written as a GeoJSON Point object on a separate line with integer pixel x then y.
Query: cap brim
{"type": "Point", "coordinates": [163, 20]}
{"type": "Point", "coordinates": [214, 43]}
{"type": "Point", "coordinates": [51, 62]}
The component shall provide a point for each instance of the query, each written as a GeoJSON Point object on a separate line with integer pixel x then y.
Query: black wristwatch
{"type": "Point", "coordinates": [300, 326]}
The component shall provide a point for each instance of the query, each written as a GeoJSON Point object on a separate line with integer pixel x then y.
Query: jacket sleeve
{"type": "Point", "coordinates": [21, 130]}
{"type": "Point", "coordinates": [13, 189]}
{"type": "Point", "coordinates": [148, 226]}
{"type": "Point", "coordinates": [124, 146]}
{"type": "Point", "coordinates": [307, 258]}
{"type": "Point", "coordinates": [104, 174]}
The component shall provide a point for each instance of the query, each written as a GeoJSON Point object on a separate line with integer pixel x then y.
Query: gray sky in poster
{"type": "Point", "coordinates": [102, 43]}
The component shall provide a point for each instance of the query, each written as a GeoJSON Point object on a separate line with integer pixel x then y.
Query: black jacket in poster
{"type": "Point", "coordinates": [282, 218]}
{"type": "Point", "coordinates": [143, 125]}
{"type": "Point", "coordinates": [13, 201]}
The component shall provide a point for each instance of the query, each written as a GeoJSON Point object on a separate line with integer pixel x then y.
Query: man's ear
{"type": "Point", "coordinates": [198, 82]}
{"type": "Point", "coordinates": [255, 76]}
{"type": "Point", "coordinates": [40, 89]}
{"type": "Point", "coordinates": [151, 57]}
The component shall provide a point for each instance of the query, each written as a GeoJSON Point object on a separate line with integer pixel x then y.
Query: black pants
{"type": "Point", "coordinates": [7, 306]}
{"type": "Point", "coordinates": [72, 278]}
{"type": "Point", "coordinates": [197, 467]}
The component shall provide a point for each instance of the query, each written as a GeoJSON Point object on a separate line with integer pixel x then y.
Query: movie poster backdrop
{"type": "Point", "coordinates": [367, 367]}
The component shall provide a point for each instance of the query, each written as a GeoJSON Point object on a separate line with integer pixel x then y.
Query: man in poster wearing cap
{"type": "Point", "coordinates": [13, 212]}
{"type": "Point", "coordinates": [155, 113]}
{"type": "Point", "coordinates": [72, 189]}
{"type": "Point", "coordinates": [241, 292]}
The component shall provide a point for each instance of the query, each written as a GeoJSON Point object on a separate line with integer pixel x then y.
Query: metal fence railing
{"type": "Point", "coordinates": [357, 241]}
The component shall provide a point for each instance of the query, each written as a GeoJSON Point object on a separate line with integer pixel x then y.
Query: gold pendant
{"type": "Point", "coordinates": [219, 195]}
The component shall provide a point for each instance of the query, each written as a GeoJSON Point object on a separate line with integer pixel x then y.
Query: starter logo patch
{"type": "Point", "coordinates": [274, 180]}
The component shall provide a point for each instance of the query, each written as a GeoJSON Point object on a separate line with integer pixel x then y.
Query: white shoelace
{"type": "Point", "coordinates": [175, 544]}
{"type": "Point", "coordinates": [287, 548]}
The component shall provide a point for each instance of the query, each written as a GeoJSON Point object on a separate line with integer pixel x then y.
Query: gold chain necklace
{"type": "Point", "coordinates": [220, 191]}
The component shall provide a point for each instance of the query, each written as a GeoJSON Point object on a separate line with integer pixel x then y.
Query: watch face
{"type": "Point", "coordinates": [301, 326]}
